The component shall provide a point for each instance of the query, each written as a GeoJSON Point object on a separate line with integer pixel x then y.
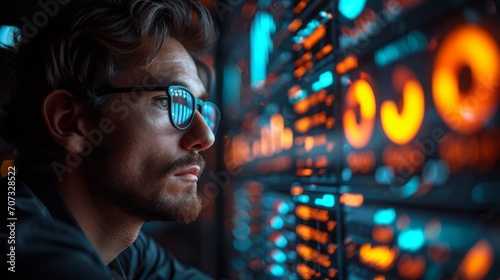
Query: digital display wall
{"type": "Point", "coordinates": [377, 124]}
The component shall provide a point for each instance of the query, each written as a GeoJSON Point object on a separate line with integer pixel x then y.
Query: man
{"type": "Point", "coordinates": [108, 127]}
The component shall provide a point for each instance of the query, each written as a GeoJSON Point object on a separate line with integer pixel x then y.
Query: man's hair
{"type": "Point", "coordinates": [81, 50]}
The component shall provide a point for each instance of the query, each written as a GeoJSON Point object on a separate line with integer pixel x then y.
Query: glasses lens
{"type": "Point", "coordinates": [211, 115]}
{"type": "Point", "coordinates": [182, 107]}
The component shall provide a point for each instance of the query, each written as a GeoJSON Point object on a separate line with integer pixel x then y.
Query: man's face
{"type": "Point", "coordinates": [146, 166]}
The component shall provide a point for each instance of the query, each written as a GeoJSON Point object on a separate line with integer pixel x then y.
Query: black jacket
{"type": "Point", "coordinates": [42, 240]}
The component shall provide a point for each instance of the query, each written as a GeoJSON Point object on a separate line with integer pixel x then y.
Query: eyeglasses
{"type": "Point", "coordinates": [182, 106]}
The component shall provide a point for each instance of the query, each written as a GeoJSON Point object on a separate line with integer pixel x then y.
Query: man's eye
{"type": "Point", "coordinates": [162, 102]}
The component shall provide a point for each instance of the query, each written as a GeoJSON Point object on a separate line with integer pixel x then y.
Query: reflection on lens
{"type": "Point", "coordinates": [211, 115]}
{"type": "Point", "coordinates": [182, 107]}
{"type": "Point", "coordinates": [183, 104]}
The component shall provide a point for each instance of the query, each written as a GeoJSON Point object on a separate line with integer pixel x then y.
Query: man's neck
{"type": "Point", "coordinates": [109, 229]}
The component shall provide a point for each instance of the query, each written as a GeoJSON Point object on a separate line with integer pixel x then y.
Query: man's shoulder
{"type": "Point", "coordinates": [145, 259]}
{"type": "Point", "coordinates": [43, 241]}
{"type": "Point", "coordinates": [143, 248]}
{"type": "Point", "coordinates": [40, 208]}
{"type": "Point", "coordinates": [24, 202]}
{"type": "Point", "coordinates": [41, 219]}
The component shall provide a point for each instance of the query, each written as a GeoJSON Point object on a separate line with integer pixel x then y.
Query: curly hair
{"type": "Point", "coordinates": [82, 49]}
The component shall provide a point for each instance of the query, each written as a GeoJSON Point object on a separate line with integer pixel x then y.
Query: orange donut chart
{"type": "Point", "coordinates": [467, 110]}
{"type": "Point", "coordinates": [358, 134]}
{"type": "Point", "coordinates": [402, 127]}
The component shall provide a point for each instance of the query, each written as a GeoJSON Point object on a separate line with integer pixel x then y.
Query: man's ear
{"type": "Point", "coordinates": [67, 120]}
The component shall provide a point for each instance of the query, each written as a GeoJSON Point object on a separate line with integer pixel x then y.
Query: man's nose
{"type": "Point", "coordinates": [198, 136]}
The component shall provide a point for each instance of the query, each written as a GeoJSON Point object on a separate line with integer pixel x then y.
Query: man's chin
{"type": "Point", "coordinates": [185, 209]}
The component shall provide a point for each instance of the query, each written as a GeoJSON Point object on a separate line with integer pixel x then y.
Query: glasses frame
{"type": "Point", "coordinates": [198, 103]}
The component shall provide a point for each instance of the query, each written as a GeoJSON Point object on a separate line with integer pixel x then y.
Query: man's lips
{"type": "Point", "coordinates": [190, 173]}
